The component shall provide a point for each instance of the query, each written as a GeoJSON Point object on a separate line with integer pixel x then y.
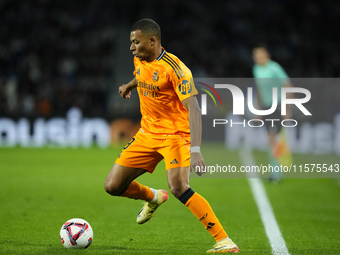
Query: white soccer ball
{"type": "Point", "coordinates": [76, 234]}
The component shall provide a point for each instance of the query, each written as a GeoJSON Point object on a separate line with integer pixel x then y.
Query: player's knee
{"type": "Point", "coordinates": [177, 191]}
{"type": "Point", "coordinates": [112, 188]}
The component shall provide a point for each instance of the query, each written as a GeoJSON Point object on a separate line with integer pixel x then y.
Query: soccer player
{"type": "Point", "coordinates": [167, 98]}
{"type": "Point", "coordinates": [268, 75]}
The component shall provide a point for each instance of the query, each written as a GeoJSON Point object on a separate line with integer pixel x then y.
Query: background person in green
{"type": "Point", "coordinates": [269, 74]}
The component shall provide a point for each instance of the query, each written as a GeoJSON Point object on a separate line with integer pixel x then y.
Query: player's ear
{"type": "Point", "coordinates": [152, 40]}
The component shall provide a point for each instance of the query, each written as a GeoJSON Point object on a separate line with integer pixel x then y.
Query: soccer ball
{"type": "Point", "coordinates": [76, 234]}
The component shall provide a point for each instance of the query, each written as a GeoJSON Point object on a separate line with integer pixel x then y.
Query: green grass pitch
{"type": "Point", "coordinates": [42, 188]}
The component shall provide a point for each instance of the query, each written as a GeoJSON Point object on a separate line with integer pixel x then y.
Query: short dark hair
{"type": "Point", "coordinates": [261, 45]}
{"type": "Point", "coordinates": [148, 27]}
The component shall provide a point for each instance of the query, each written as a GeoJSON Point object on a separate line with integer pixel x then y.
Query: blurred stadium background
{"type": "Point", "coordinates": [56, 55]}
{"type": "Point", "coordinates": [61, 63]}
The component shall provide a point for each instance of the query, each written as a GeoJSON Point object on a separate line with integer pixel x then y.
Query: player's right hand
{"type": "Point", "coordinates": [197, 163]}
{"type": "Point", "coordinates": [124, 91]}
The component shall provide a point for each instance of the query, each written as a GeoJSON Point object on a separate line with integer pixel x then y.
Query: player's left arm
{"type": "Point", "coordinates": [195, 122]}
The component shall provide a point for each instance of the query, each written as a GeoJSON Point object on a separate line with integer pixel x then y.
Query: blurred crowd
{"type": "Point", "coordinates": [59, 54]}
{"type": "Point", "coordinates": [55, 55]}
{"type": "Point", "coordinates": [303, 36]}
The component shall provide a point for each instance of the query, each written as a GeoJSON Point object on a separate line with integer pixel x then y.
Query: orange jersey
{"type": "Point", "coordinates": [162, 84]}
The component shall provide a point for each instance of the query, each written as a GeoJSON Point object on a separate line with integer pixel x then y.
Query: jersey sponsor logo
{"type": "Point", "coordinates": [147, 89]}
{"type": "Point", "coordinates": [185, 87]}
{"type": "Point", "coordinates": [144, 85]}
{"type": "Point", "coordinates": [138, 72]}
{"type": "Point", "coordinates": [155, 76]}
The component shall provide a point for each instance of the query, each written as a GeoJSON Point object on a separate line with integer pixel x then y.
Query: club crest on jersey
{"type": "Point", "coordinates": [155, 76]}
{"type": "Point", "coordinates": [185, 87]}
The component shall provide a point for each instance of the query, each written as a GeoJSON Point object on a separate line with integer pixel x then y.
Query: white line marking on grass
{"type": "Point", "coordinates": [276, 240]}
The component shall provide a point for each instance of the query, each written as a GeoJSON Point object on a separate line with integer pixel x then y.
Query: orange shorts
{"type": "Point", "coordinates": [146, 150]}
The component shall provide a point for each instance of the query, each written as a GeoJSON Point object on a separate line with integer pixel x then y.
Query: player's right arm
{"type": "Point", "coordinates": [125, 89]}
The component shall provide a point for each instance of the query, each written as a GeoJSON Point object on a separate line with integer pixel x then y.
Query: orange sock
{"type": "Point", "coordinates": [203, 212]}
{"type": "Point", "coordinates": [138, 191]}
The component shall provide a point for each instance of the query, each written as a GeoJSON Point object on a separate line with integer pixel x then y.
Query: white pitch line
{"type": "Point", "coordinates": [272, 229]}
